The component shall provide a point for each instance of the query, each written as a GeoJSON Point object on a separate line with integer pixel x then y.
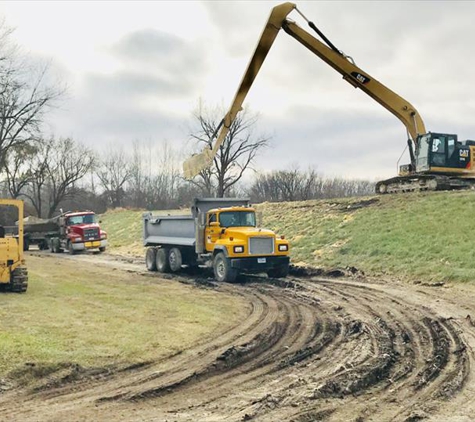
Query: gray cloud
{"type": "Point", "coordinates": [154, 68]}
{"type": "Point", "coordinates": [165, 58]}
{"type": "Point", "coordinates": [98, 123]}
{"type": "Point", "coordinates": [129, 86]}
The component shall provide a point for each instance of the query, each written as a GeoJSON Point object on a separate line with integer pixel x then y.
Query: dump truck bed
{"type": "Point", "coordinates": [169, 230]}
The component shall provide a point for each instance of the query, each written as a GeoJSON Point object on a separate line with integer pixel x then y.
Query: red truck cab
{"type": "Point", "coordinates": [81, 231]}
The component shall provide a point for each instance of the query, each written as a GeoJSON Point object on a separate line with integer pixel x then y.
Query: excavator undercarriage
{"type": "Point", "coordinates": [420, 183]}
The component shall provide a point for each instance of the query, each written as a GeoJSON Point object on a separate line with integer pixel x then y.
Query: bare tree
{"type": "Point", "coordinates": [235, 155]}
{"type": "Point", "coordinates": [38, 164]}
{"type": "Point", "coordinates": [69, 162]}
{"type": "Point", "coordinates": [17, 168]}
{"type": "Point", "coordinates": [114, 171]}
{"type": "Point", "coordinates": [155, 181]}
{"type": "Point", "coordinates": [136, 181]}
{"type": "Point", "coordinates": [56, 168]}
{"type": "Point", "coordinates": [24, 97]}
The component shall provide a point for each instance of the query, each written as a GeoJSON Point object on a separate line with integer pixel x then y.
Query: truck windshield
{"type": "Point", "coordinates": [237, 219]}
{"type": "Point", "coordinates": [81, 219]}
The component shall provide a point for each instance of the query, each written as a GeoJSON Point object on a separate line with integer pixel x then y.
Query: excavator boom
{"type": "Point", "coordinates": [402, 109]}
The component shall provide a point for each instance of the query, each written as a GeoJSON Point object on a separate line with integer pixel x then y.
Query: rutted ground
{"type": "Point", "coordinates": [309, 349]}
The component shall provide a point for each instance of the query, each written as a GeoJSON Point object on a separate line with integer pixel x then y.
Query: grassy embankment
{"type": "Point", "coordinates": [427, 236]}
{"type": "Point", "coordinates": [92, 315]}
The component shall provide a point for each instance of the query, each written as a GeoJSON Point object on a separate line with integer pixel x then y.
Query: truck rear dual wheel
{"type": "Point", "coordinates": [175, 259]}
{"type": "Point", "coordinates": [151, 259]}
{"type": "Point", "coordinates": [223, 272]}
{"type": "Point", "coordinates": [163, 265]}
{"type": "Point", "coordinates": [55, 245]}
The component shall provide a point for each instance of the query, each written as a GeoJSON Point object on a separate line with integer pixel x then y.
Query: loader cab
{"type": "Point", "coordinates": [440, 152]}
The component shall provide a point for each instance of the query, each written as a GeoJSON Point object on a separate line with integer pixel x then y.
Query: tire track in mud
{"type": "Point", "coordinates": [311, 350]}
{"type": "Point", "coordinates": [421, 358]}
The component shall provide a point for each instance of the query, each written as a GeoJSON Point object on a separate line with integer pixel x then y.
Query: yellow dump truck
{"type": "Point", "coordinates": [13, 272]}
{"type": "Point", "coordinates": [221, 233]}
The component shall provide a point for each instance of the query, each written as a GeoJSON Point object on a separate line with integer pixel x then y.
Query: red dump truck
{"type": "Point", "coordinates": [72, 231]}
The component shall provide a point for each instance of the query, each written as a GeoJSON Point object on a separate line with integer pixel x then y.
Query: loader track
{"type": "Point", "coordinates": [310, 349]}
{"type": "Point", "coordinates": [19, 283]}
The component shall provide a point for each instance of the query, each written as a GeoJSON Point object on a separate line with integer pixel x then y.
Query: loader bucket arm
{"type": "Point", "coordinates": [199, 162]}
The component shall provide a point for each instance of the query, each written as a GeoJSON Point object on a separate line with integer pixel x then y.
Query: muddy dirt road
{"type": "Point", "coordinates": [310, 349]}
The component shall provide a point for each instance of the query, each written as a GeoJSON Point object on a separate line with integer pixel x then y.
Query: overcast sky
{"type": "Point", "coordinates": [136, 71]}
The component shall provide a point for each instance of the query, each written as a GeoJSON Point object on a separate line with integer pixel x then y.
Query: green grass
{"type": "Point", "coordinates": [414, 236]}
{"type": "Point", "coordinates": [95, 316]}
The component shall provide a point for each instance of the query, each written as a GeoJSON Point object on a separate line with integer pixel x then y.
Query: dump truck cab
{"type": "Point", "coordinates": [13, 272]}
{"type": "Point", "coordinates": [235, 230]}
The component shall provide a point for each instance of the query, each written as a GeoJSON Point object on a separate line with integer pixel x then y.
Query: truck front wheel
{"type": "Point", "coordinates": [162, 260]}
{"type": "Point", "coordinates": [151, 259]}
{"type": "Point", "coordinates": [223, 270]}
{"type": "Point", "coordinates": [175, 259]}
{"type": "Point", "coordinates": [70, 248]}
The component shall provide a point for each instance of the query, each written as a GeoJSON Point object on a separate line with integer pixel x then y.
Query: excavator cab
{"type": "Point", "coordinates": [443, 154]}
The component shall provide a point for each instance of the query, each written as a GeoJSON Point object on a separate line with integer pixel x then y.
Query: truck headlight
{"type": "Point", "coordinates": [103, 236]}
{"type": "Point", "coordinates": [238, 249]}
{"type": "Point", "coordinates": [283, 248]}
{"type": "Point", "coordinates": [76, 239]}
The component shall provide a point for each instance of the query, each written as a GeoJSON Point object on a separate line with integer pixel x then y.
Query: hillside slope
{"type": "Point", "coordinates": [418, 237]}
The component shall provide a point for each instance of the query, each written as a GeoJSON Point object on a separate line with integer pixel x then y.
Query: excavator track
{"type": "Point", "coordinates": [420, 183]}
{"type": "Point", "coordinates": [19, 281]}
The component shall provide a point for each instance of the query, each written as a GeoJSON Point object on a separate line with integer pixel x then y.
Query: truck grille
{"type": "Point", "coordinates": [91, 234]}
{"type": "Point", "coordinates": [261, 245]}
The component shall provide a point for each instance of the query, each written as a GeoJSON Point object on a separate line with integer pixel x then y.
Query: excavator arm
{"type": "Point", "coordinates": [397, 105]}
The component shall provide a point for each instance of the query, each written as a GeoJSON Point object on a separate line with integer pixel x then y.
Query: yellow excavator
{"type": "Point", "coordinates": [13, 272]}
{"type": "Point", "coordinates": [439, 161]}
